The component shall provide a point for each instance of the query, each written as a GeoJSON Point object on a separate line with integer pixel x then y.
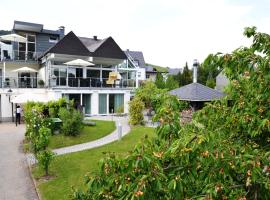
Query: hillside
{"type": "Point", "coordinates": [158, 68]}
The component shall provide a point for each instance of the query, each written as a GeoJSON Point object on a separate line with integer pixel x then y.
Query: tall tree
{"type": "Point", "coordinates": [171, 83]}
{"type": "Point", "coordinates": [186, 76]}
{"type": "Point", "coordinates": [160, 83]}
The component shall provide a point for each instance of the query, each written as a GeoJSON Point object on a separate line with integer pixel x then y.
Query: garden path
{"type": "Point", "coordinates": [102, 141]}
{"type": "Point", "coordinates": [15, 179]}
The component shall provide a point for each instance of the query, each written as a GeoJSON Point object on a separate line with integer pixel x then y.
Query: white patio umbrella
{"type": "Point", "coordinates": [13, 38]}
{"type": "Point", "coordinates": [24, 69]}
{"type": "Point", "coordinates": [79, 62]}
{"type": "Point", "coordinates": [24, 98]}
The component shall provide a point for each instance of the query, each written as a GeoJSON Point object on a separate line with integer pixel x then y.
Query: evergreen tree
{"type": "Point", "coordinates": [186, 76]}
{"type": "Point", "coordinates": [160, 81]}
{"type": "Point", "coordinates": [171, 83]}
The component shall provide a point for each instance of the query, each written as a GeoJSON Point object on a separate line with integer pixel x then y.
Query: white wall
{"type": "Point", "coordinates": [6, 108]}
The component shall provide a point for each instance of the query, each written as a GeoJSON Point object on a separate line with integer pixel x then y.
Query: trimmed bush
{"type": "Point", "coordinates": [136, 107]}
{"type": "Point", "coordinates": [71, 121]}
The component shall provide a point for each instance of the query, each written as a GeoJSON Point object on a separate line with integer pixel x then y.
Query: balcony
{"type": "Point", "coordinates": [13, 55]}
{"type": "Point", "coordinates": [33, 82]}
{"type": "Point", "coordinates": [22, 82]}
{"type": "Point", "coordinates": [90, 83]}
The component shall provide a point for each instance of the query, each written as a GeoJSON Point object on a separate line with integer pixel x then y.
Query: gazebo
{"type": "Point", "coordinates": [195, 93]}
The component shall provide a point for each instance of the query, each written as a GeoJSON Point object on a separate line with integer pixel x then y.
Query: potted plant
{"type": "Point", "coordinates": [41, 83]}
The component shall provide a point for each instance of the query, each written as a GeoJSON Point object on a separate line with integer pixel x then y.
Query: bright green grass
{"type": "Point", "coordinates": [88, 133]}
{"type": "Point", "coordinates": [70, 169]}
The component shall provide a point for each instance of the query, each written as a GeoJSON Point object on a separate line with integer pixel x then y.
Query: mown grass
{"type": "Point", "coordinates": [88, 133]}
{"type": "Point", "coordinates": [69, 170]}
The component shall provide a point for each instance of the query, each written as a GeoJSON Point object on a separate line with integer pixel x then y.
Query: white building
{"type": "Point", "coordinates": [37, 66]}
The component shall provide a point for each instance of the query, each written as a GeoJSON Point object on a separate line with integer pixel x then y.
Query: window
{"type": "Point", "coordinates": [102, 107]}
{"type": "Point", "coordinates": [53, 39]}
{"type": "Point", "coordinates": [147, 76]}
{"type": "Point", "coordinates": [59, 77]}
{"type": "Point", "coordinates": [139, 74]}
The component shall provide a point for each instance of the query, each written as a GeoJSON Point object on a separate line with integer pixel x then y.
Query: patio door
{"type": "Point", "coordinates": [87, 103]}
{"type": "Point", "coordinates": [102, 104]}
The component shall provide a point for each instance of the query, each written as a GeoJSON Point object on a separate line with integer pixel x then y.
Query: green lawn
{"type": "Point", "coordinates": [69, 170]}
{"type": "Point", "coordinates": [89, 133]}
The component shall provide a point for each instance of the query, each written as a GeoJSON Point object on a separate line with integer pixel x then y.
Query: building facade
{"type": "Point", "coordinates": [37, 66]}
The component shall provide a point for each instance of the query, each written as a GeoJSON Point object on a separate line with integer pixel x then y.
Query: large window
{"type": "Point", "coordinates": [27, 50]}
{"type": "Point", "coordinates": [102, 104]}
{"type": "Point", "coordinates": [59, 77]}
{"type": "Point", "coordinates": [116, 103]}
{"type": "Point", "coordinates": [87, 103]}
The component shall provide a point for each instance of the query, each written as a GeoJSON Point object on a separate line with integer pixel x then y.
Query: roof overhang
{"type": "Point", "coordinates": [25, 26]}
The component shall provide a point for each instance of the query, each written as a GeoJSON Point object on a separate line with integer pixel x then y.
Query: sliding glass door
{"type": "Point", "coordinates": [116, 103]}
{"type": "Point", "coordinates": [119, 103]}
{"type": "Point", "coordinates": [87, 103]}
{"type": "Point", "coordinates": [102, 104]}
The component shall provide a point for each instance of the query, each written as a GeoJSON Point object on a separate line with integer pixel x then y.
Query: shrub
{"type": "Point", "coordinates": [71, 121]}
{"type": "Point", "coordinates": [45, 158]}
{"type": "Point", "coordinates": [136, 107]}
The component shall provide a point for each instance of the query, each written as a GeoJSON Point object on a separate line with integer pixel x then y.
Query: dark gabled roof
{"type": "Point", "coordinates": [197, 92]}
{"type": "Point", "coordinates": [70, 44]}
{"type": "Point", "coordinates": [106, 48]}
{"type": "Point", "coordinates": [91, 43]}
{"type": "Point", "coordinates": [137, 56]}
{"type": "Point", "coordinates": [109, 49]}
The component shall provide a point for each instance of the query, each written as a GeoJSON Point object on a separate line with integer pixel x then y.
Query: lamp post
{"type": "Point", "coordinates": [9, 93]}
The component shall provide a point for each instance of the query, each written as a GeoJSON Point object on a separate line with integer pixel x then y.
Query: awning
{"type": "Point", "coordinates": [24, 98]}
{"type": "Point", "coordinates": [24, 69]}
{"type": "Point", "coordinates": [79, 62]}
{"type": "Point", "coordinates": [13, 38]}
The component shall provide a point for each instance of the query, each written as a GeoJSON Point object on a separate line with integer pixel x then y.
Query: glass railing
{"type": "Point", "coordinates": [21, 82]}
{"type": "Point", "coordinates": [20, 55]}
{"type": "Point", "coordinates": [34, 82]}
{"type": "Point", "coordinates": [91, 82]}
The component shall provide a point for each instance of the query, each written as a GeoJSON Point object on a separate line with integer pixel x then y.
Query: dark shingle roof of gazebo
{"type": "Point", "coordinates": [197, 92]}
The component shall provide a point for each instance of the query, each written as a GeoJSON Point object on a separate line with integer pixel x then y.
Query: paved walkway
{"type": "Point", "coordinates": [102, 141]}
{"type": "Point", "coordinates": [15, 181]}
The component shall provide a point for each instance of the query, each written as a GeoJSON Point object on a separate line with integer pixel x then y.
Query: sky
{"type": "Point", "coordinates": [168, 32]}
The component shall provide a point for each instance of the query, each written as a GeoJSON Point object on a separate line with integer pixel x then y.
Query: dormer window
{"type": "Point", "coordinates": [53, 39]}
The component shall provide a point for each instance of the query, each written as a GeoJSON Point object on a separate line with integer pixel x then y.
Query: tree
{"type": "Point", "coordinates": [211, 83]}
{"type": "Point", "coordinates": [185, 77]}
{"type": "Point", "coordinates": [171, 83]}
{"type": "Point", "coordinates": [136, 107]}
{"type": "Point", "coordinates": [223, 154]}
{"type": "Point", "coordinates": [208, 70]}
{"type": "Point", "coordinates": [160, 81]}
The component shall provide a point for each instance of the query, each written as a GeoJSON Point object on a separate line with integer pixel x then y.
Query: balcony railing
{"type": "Point", "coordinates": [20, 55]}
{"type": "Point", "coordinates": [21, 82]}
{"type": "Point", "coordinates": [33, 82]}
{"type": "Point", "coordinates": [91, 82]}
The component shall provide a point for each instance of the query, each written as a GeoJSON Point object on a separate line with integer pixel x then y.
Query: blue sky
{"type": "Point", "coordinates": [169, 32]}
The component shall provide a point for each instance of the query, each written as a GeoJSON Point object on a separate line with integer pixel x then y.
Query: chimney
{"type": "Point", "coordinates": [195, 70]}
{"type": "Point", "coordinates": [95, 37]}
{"type": "Point", "coordinates": [62, 31]}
